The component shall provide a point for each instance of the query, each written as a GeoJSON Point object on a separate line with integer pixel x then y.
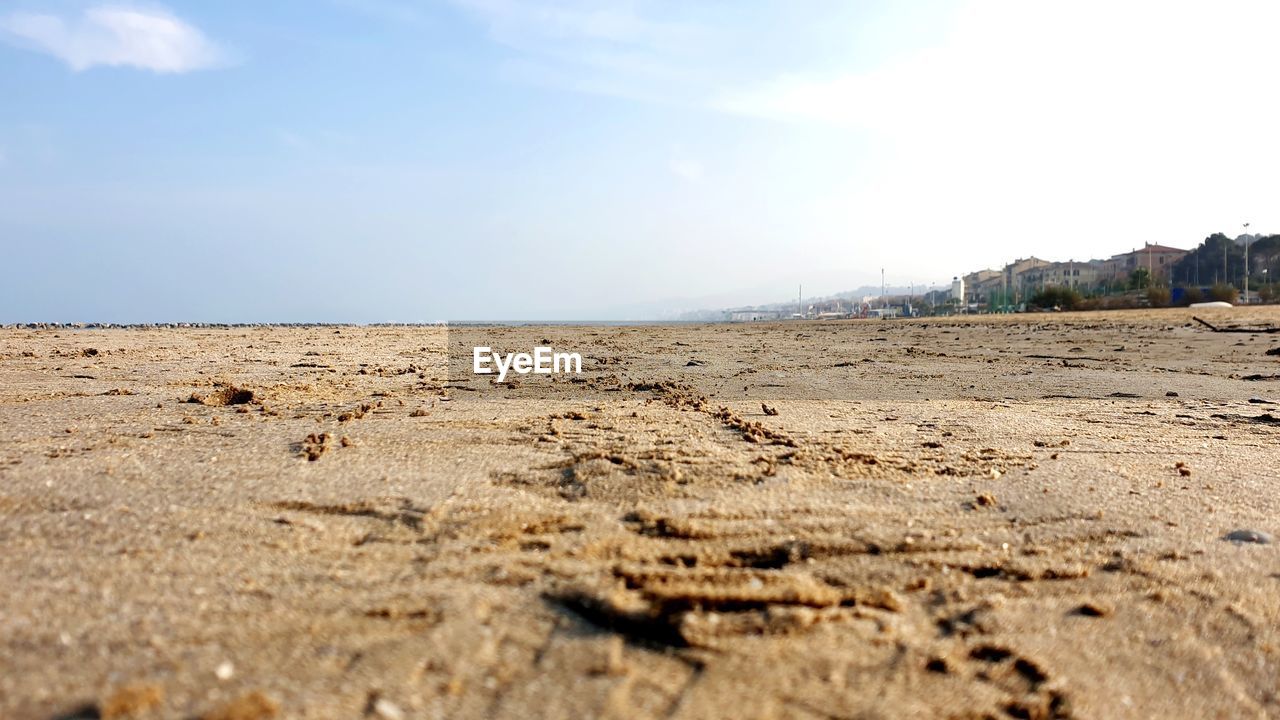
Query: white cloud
{"type": "Point", "coordinates": [594, 47]}
{"type": "Point", "coordinates": [683, 166]}
{"type": "Point", "coordinates": [151, 39]}
{"type": "Point", "coordinates": [687, 169]}
{"type": "Point", "coordinates": [514, 21]}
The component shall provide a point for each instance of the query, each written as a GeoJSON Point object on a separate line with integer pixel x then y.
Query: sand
{"type": "Point", "coordinates": [1017, 516]}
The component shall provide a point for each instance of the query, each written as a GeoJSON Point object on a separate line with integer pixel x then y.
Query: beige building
{"type": "Point", "coordinates": [1012, 282]}
{"type": "Point", "coordinates": [1158, 259]}
{"type": "Point", "coordinates": [1019, 275]}
{"type": "Point", "coordinates": [978, 285]}
{"type": "Point", "coordinates": [1070, 274]}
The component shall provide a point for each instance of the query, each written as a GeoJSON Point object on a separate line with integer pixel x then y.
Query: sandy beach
{"type": "Point", "coordinates": [987, 517]}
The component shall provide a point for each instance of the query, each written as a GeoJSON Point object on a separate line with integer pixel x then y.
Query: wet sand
{"type": "Point", "coordinates": [1015, 516]}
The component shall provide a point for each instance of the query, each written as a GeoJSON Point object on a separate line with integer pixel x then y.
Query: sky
{"type": "Point", "coordinates": [398, 161]}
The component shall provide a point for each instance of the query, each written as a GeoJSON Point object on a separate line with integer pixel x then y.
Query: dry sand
{"type": "Point", "coordinates": [993, 517]}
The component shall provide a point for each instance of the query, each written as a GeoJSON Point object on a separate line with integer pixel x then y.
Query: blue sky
{"type": "Point", "coordinates": [387, 160]}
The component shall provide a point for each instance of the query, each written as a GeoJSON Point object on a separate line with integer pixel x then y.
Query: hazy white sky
{"type": "Point", "coordinates": [391, 160]}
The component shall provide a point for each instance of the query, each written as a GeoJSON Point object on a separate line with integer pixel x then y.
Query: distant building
{"type": "Point", "coordinates": [957, 289]}
{"type": "Point", "coordinates": [833, 307]}
{"type": "Point", "coordinates": [753, 315]}
{"type": "Point", "coordinates": [978, 285]}
{"type": "Point", "coordinates": [1010, 284]}
{"type": "Point", "coordinates": [1158, 259]}
{"type": "Point", "coordinates": [1020, 267]}
{"type": "Point", "coordinates": [1018, 277]}
{"type": "Point", "coordinates": [1070, 274]}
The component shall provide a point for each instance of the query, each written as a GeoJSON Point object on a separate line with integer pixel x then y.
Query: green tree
{"type": "Point", "coordinates": [1223, 292]}
{"type": "Point", "coordinates": [1217, 260]}
{"type": "Point", "coordinates": [1264, 259]}
{"type": "Point", "coordinates": [1063, 298]}
{"type": "Point", "coordinates": [1139, 279]}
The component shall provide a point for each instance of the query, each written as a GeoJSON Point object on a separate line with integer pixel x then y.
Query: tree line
{"type": "Point", "coordinates": [1215, 270]}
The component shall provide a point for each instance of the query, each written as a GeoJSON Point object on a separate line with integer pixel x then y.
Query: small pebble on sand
{"type": "Point", "coordinates": [387, 710]}
{"type": "Point", "coordinates": [1249, 536]}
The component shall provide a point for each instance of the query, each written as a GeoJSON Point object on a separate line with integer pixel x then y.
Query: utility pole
{"type": "Point", "coordinates": [884, 301]}
{"type": "Point", "coordinates": [800, 300]}
{"type": "Point", "coordinates": [1246, 263]}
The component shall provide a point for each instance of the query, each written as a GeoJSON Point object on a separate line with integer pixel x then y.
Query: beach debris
{"type": "Point", "coordinates": [1264, 418]}
{"type": "Point", "coordinates": [1171, 394]}
{"type": "Point", "coordinates": [90, 352]}
{"type": "Point", "coordinates": [380, 707]}
{"type": "Point", "coordinates": [1235, 329]}
{"type": "Point", "coordinates": [293, 522]}
{"type": "Point", "coordinates": [938, 664]}
{"type": "Point", "coordinates": [1093, 609]}
{"type": "Point", "coordinates": [1182, 469]}
{"type": "Point", "coordinates": [1273, 351]}
{"type": "Point", "coordinates": [358, 413]}
{"type": "Point", "coordinates": [1261, 401]}
{"type": "Point", "coordinates": [130, 701]}
{"type": "Point", "coordinates": [226, 395]}
{"type": "Point", "coordinates": [1249, 536]}
{"type": "Point", "coordinates": [768, 410]}
{"type": "Point", "coordinates": [252, 706]}
{"type": "Point", "coordinates": [225, 670]}
{"type": "Point", "coordinates": [315, 445]}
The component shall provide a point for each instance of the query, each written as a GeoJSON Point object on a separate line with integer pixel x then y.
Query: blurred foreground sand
{"type": "Point", "coordinates": [992, 517]}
